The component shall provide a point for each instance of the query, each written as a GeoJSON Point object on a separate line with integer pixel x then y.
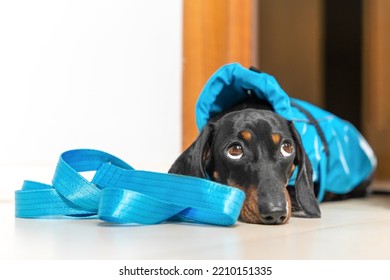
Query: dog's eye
{"type": "Point", "coordinates": [235, 151]}
{"type": "Point", "coordinates": [286, 149]}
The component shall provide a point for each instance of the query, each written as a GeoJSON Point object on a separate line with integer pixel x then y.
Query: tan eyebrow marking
{"type": "Point", "coordinates": [276, 138]}
{"type": "Point", "coordinates": [246, 135]}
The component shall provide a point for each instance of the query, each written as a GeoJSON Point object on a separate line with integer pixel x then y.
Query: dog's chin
{"type": "Point", "coordinates": [250, 212]}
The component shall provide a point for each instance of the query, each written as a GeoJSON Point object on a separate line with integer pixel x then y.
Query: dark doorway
{"type": "Point", "coordinates": [343, 89]}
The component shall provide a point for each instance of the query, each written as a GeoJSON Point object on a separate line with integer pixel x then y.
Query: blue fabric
{"type": "Point", "coordinates": [351, 159]}
{"type": "Point", "coordinates": [120, 194]}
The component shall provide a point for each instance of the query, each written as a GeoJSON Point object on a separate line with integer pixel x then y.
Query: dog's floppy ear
{"type": "Point", "coordinates": [303, 200]}
{"type": "Point", "coordinates": [193, 161]}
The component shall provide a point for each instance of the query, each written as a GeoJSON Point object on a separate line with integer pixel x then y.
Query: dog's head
{"type": "Point", "coordinates": [257, 152]}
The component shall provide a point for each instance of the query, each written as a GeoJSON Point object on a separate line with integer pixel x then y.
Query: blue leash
{"type": "Point", "coordinates": [120, 194]}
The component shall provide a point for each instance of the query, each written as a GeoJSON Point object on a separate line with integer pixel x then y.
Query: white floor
{"type": "Point", "coordinates": [354, 229]}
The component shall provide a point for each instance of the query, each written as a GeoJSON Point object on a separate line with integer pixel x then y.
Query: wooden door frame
{"type": "Point", "coordinates": [215, 32]}
{"type": "Point", "coordinates": [377, 85]}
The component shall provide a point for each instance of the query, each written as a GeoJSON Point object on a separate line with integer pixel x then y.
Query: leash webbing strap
{"type": "Point", "coordinates": [120, 194]}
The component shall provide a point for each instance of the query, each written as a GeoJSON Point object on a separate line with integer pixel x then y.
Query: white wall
{"type": "Point", "coordinates": [88, 74]}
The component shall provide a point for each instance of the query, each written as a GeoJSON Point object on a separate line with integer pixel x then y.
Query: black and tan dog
{"type": "Point", "coordinates": [252, 148]}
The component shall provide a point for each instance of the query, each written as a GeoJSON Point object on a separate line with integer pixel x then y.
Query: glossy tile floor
{"type": "Point", "coordinates": [354, 229]}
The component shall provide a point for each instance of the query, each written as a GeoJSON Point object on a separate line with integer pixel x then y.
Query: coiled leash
{"type": "Point", "coordinates": [120, 194]}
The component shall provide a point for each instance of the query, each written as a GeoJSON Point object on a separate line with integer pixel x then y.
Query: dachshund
{"type": "Point", "coordinates": [251, 148]}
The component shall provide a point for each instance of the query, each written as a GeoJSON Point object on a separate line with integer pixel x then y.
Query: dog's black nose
{"type": "Point", "coordinates": [275, 216]}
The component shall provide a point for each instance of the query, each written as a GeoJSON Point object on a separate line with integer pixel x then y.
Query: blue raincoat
{"type": "Point", "coordinates": [340, 157]}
